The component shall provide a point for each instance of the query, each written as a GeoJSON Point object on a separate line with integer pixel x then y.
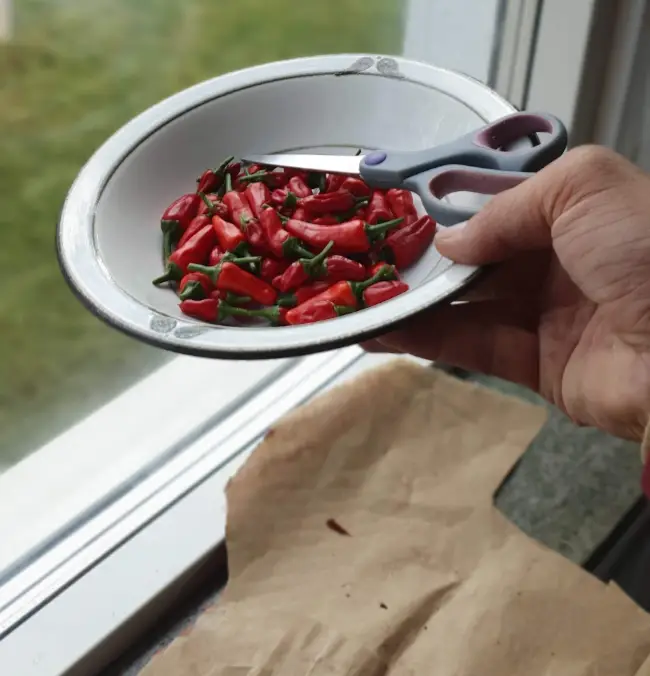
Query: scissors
{"type": "Point", "coordinates": [478, 162]}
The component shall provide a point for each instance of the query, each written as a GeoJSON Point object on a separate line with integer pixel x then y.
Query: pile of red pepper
{"type": "Point", "coordinates": [288, 246]}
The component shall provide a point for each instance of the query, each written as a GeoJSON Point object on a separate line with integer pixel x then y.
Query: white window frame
{"type": "Point", "coordinates": [68, 608]}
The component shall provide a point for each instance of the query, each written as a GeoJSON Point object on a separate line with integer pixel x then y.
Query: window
{"type": "Point", "coordinates": [108, 446]}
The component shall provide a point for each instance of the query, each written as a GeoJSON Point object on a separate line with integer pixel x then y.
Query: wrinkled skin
{"type": "Point", "coordinates": [567, 310]}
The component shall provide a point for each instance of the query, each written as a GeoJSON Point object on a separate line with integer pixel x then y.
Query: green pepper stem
{"type": "Point", "coordinates": [172, 274]}
{"type": "Point", "coordinates": [376, 231]}
{"type": "Point", "coordinates": [192, 289]}
{"type": "Point", "coordinates": [272, 314]}
{"type": "Point", "coordinates": [221, 169]}
{"type": "Point", "coordinates": [228, 182]}
{"type": "Point", "coordinates": [383, 274]}
{"type": "Point", "coordinates": [206, 200]}
{"type": "Point", "coordinates": [311, 265]}
{"type": "Point", "coordinates": [283, 218]}
{"type": "Point", "coordinates": [258, 175]}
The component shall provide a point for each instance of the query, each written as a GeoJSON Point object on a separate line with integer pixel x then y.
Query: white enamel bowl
{"type": "Point", "coordinates": [109, 239]}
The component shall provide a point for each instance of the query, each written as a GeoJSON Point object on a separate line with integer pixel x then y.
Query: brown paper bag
{"type": "Point", "coordinates": [362, 540]}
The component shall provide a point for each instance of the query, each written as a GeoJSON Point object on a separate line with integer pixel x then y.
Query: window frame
{"type": "Point", "coordinates": [105, 577]}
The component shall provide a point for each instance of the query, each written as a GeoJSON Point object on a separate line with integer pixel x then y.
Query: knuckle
{"type": "Point", "coordinates": [592, 160]}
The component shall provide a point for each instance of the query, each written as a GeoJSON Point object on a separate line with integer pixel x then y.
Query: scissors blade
{"type": "Point", "coordinates": [335, 164]}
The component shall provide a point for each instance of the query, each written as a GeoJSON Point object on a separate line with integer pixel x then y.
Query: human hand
{"type": "Point", "coordinates": [567, 310]}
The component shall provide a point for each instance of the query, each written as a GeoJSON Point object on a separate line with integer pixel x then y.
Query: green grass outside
{"type": "Point", "coordinates": [76, 71]}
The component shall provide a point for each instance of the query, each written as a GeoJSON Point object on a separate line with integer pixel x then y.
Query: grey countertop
{"type": "Point", "coordinates": [569, 490]}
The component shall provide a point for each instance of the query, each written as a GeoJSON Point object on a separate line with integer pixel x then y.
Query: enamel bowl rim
{"type": "Point", "coordinates": [92, 283]}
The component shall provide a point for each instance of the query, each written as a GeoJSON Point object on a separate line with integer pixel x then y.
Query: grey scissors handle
{"type": "Point", "coordinates": [478, 162]}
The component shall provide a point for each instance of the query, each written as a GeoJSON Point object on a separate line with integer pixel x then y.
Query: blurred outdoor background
{"type": "Point", "coordinates": [71, 73]}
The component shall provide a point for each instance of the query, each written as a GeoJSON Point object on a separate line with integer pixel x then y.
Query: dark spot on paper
{"type": "Point", "coordinates": [347, 596]}
{"type": "Point", "coordinates": [384, 606]}
{"type": "Point", "coordinates": [334, 525]}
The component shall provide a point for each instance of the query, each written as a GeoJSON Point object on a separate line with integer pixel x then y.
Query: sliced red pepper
{"type": "Point", "coordinates": [211, 205]}
{"type": "Point", "coordinates": [228, 276]}
{"type": "Point", "coordinates": [176, 219]}
{"type": "Point", "coordinates": [319, 311]}
{"type": "Point", "coordinates": [329, 203]}
{"type": "Point", "coordinates": [197, 223]}
{"type": "Point", "coordinates": [280, 242]}
{"type": "Point", "coordinates": [401, 204]}
{"type": "Point", "coordinates": [302, 294]}
{"type": "Point", "coordinates": [350, 237]}
{"type": "Point", "coordinates": [383, 291]}
{"type": "Point", "coordinates": [194, 285]}
{"type": "Point", "coordinates": [357, 186]}
{"type": "Point", "coordinates": [257, 194]}
{"type": "Point", "coordinates": [272, 267]}
{"type": "Point", "coordinates": [195, 250]}
{"type": "Point", "coordinates": [405, 246]}
{"type": "Point", "coordinates": [298, 187]}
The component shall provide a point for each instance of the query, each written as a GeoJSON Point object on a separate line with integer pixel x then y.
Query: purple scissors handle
{"type": "Point", "coordinates": [481, 162]}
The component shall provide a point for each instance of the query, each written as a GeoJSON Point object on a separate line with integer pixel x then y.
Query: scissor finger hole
{"type": "Point", "coordinates": [477, 182]}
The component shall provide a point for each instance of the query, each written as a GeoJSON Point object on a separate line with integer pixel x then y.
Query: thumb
{"type": "Point", "coordinates": [512, 222]}
{"type": "Point", "coordinates": [522, 218]}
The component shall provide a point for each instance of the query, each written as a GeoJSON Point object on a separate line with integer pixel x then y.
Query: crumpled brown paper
{"type": "Point", "coordinates": [363, 541]}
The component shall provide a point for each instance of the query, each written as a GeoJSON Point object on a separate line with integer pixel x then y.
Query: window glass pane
{"type": "Point", "coordinates": [71, 73]}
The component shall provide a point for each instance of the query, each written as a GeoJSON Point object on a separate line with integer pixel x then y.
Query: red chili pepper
{"type": "Point", "coordinates": [229, 236]}
{"type": "Point", "coordinates": [195, 250]}
{"type": "Point", "coordinates": [216, 255]}
{"type": "Point", "coordinates": [196, 224]}
{"type": "Point", "coordinates": [303, 294]}
{"type": "Point", "coordinates": [401, 204]}
{"type": "Point", "coordinates": [331, 269]}
{"type": "Point", "coordinates": [328, 203]}
{"type": "Point", "coordinates": [357, 186]}
{"type": "Point", "coordinates": [228, 276]}
{"type": "Point", "coordinates": [383, 291]}
{"type": "Point", "coordinates": [194, 285]}
{"type": "Point", "coordinates": [405, 246]}
{"type": "Point", "coordinates": [176, 219]}
{"type": "Point", "coordinates": [300, 214]}
{"type": "Point", "coordinates": [214, 310]}
{"type": "Point", "coordinates": [344, 294]}
{"type": "Point", "coordinates": [318, 311]}
{"type": "Point", "coordinates": [284, 198]}
{"type": "Point", "coordinates": [238, 208]}
{"type": "Point", "coordinates": [211, 205]}
{"type": "Point", "coordinates": [298, 187]}
{"type": "Point", "coordinates": [350, 237]}
{"type": "Point", "coordinates": [211, 179]}
{"type": "Point", "coordinates": [271, 268]}
{"type": "Point", "coordinates": [257, 195]}
{"type": "Point", "coordinates": [281, 244]}
{"type": "Point", "coordinates": [333, 182]}
{"type": "Point", "coordinates": [378, 210]}
{"type": "Point", "coordinates": [326, 220]}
